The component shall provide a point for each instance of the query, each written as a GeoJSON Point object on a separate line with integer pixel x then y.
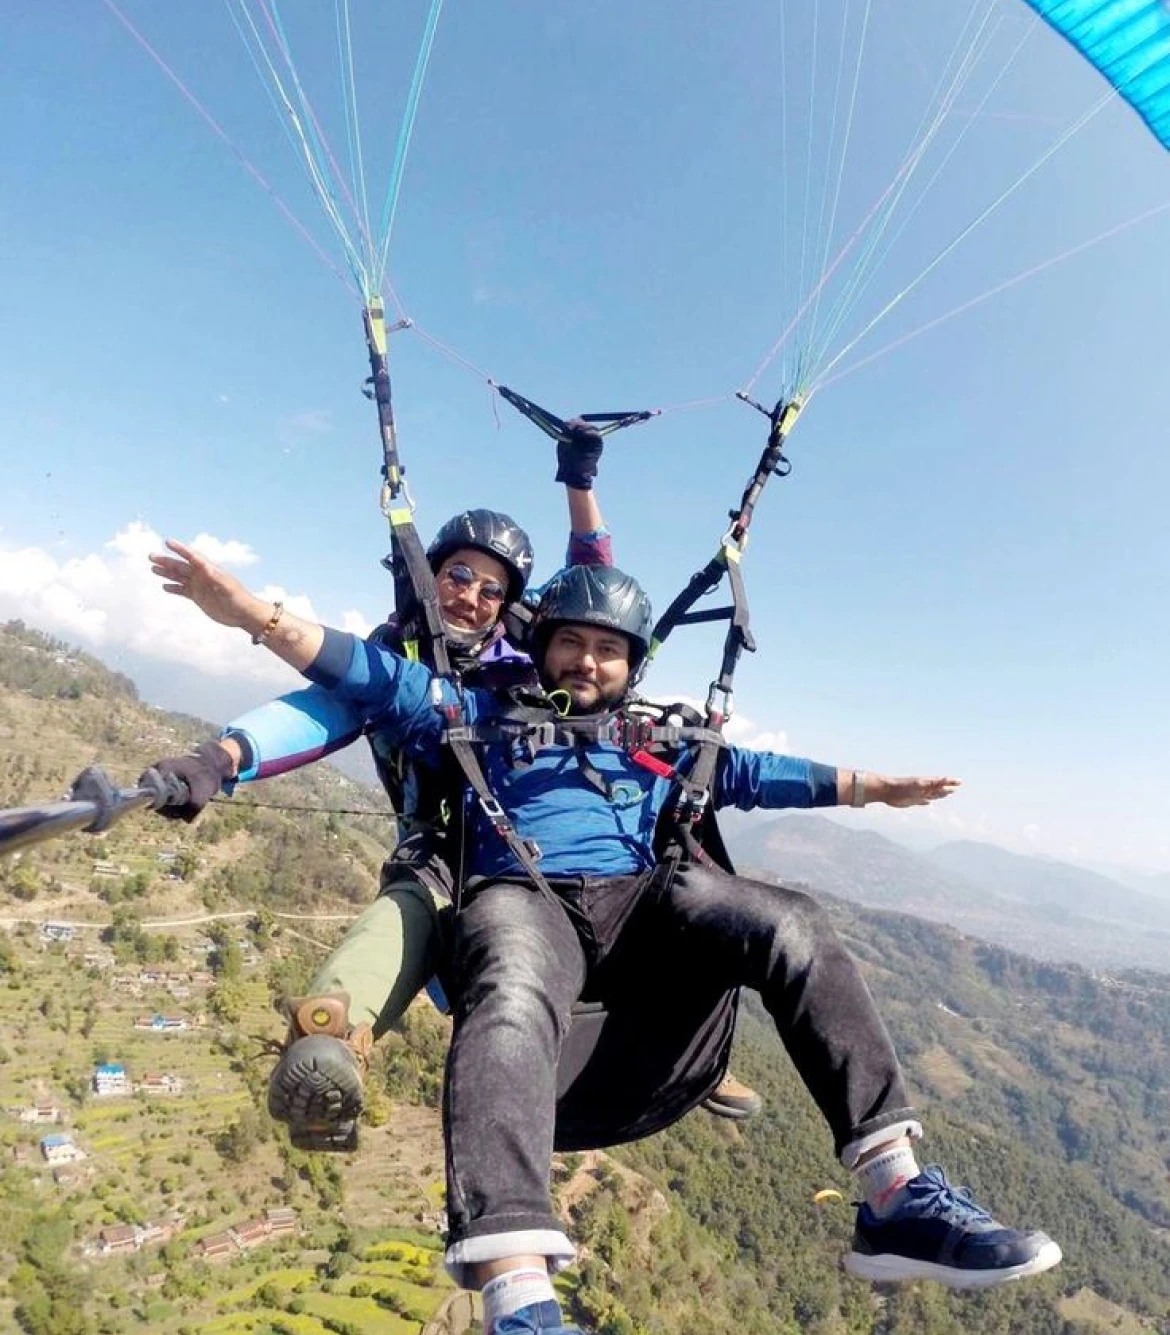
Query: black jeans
{"type": "Point", "coordinates": [523, 959]}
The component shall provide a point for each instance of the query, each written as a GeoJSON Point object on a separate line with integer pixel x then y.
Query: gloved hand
{"type": "Point", "coordinates": [203, 772]}
{"type": "Point", "coordinates": [578, 455]}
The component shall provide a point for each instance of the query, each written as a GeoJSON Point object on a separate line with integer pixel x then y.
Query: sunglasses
{"type": "Point", "coordinates": [463, 578]}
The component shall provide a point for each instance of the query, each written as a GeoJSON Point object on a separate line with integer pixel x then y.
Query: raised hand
{"type": "Point", "coordinates": [217, 594]}
{"type": "Point", "coordinates": [578, 454]}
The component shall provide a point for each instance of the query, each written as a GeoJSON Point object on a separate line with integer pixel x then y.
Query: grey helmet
{"type": "Point", "coordinates": [488, 531]}
{"type": "Point", "coordinates": [595, 596]}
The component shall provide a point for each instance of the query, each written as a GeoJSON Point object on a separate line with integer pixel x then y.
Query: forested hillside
{"type": "Point", "coordinates": [1044, 1086]}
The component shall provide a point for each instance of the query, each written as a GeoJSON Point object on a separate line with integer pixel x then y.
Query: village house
{"type": "Point", "coordinates": [250, 1234]}
{"type": "Point", "coordinates": [280, 1220]}
{"type": "Point", "coordinates": [163, 1024]}
{"type": "Point", "coordinates": [155, 1234]}
{"type": "Point", "coordinates": [61, 1148]}
{"type": "Point", "coordinates": [215, 1246]}
{"type": "Point", "coordinates": [160, 1084]}
{"type": "Point", "coordinates": [39, 1113]}
{"type": "Point", "coordinates": [110, 1078]}
{"type": "Point", "coordinates": [118, 1238]}
{"type": "Point", "coordinates": [104, 869]}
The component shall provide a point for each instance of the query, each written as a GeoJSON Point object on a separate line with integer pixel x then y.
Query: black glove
{"type": "Point", "coordinates": [202, 774]}
{"type": "Point", "coordinates": [578, 455]}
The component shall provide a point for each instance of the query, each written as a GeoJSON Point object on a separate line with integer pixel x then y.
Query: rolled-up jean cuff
{"type": "Point", "coordinates": [880, 1131]}
{"type": "Point", "coordinates": [463, 1256]}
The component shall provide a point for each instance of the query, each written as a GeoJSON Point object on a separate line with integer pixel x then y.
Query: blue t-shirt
{"type": "Point", "coordinates": [579, 830]}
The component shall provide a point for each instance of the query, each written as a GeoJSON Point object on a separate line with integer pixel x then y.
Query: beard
{"type": "Point", "coordinates": [599, 700]}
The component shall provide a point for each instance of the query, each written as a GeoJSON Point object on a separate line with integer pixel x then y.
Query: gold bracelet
{"type": "Point", "coordinates": [271, 624]}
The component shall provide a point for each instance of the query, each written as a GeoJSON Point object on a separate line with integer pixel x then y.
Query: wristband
{"type": "Point", "coordinates": [858, 797]}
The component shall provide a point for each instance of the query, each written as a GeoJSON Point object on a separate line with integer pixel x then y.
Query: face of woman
{"type": "Point", "coordinates": [472, 588]}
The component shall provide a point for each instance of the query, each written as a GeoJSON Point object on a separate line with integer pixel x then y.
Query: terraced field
{"type": "Point", "coordinates": [205, 1160]}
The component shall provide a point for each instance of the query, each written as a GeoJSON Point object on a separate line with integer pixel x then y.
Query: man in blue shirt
{"type": "Point", "coordinates": [608, 920]}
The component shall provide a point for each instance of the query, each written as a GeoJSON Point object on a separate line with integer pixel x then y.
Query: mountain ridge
{"type": "Point", "coordinates": [959, 890]}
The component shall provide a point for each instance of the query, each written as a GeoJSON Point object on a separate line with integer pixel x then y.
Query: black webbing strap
{"type": "Point", "coordinates": [525, 851]}
{"type": "Point", "coordinates": [557, 428]}
{"type": "Point", "coordinates": [696, 785]}
{"type": "Point", "coordinates": [417, 600]}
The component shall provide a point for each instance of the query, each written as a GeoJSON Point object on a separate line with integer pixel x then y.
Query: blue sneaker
{"type": "Point", "coordinates": [536, 1319]}
{"type": "Point", "coordinates": [938, 1232]}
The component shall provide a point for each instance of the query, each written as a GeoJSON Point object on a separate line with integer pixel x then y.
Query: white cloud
{"type": "Point", "coordinates": [355, 623]}
{"type": "Point", "coordinates": [230, 553]}
{"type": "Point", "coordinates": [109, 600]}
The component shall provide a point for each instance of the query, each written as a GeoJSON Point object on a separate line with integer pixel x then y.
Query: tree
{"type": "Point", "coordinates": [236, 1143]}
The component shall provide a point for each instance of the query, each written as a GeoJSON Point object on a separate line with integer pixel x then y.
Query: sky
{"type": "Point", "coordinates": [619, 206]}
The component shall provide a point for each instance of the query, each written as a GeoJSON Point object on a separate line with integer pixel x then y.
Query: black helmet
{"type": "Point", "coordinates": [595, 596]}
{"type": "Point", "coordinates": [491, 532]}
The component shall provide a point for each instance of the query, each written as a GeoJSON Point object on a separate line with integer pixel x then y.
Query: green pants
{"type": "Point", "coordinates": [388, 955]}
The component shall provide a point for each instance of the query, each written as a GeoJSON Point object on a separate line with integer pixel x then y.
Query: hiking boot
{"type": "Point", "coordinates": [316, 1086]}
{"type": "Point", "coordinates": [938, 1232]}
{"type": "Point", "coordinates": [733, 1099]}
{"type": "Point", "coordinates": [536, 1319]}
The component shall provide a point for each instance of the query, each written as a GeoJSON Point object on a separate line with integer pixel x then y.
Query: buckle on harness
{"type": "Point", "coordinates": [629, 731]}
{"type": "Point", "coordinates": [540, 735]}
{"type": "Point", "coordinates": [692, 807]}
{"type": "Point", "coordinates": [495, 813]}
{"type": "Point", "coordinates": [720, 704]}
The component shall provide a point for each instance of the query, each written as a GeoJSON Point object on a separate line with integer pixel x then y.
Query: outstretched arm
{"type": "Point", "coordinates": [224, 599]}
{"type": "Point", "coordinates": [370, 676]}
{"type": "Point", "coordinates": [577, 459]}
{"type": "Point", "coordinates": [754, 780]}
{"type": "Point", "coordinates": [353, 680]}
{"type": "Point", "coordinates": [860, 788]}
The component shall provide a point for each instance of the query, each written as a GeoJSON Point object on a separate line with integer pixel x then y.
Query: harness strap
{"type": "Point", "coordinates": [695, 786]}
{"type": "Point", "coordinates": [417, 599]}
{"type": "Point", "coordinates": [525, 851]}
{"type": "Point", "coordinates": [629, 735]}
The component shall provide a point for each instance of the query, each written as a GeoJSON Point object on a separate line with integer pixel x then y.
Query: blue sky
{"type": "Point", "coordinates": [604, 206]}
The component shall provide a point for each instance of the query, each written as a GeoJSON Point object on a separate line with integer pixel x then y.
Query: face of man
{"type": "Point", "coordinates": [591, 663]}
{"type": "Point", "coordinates": [472, 588]}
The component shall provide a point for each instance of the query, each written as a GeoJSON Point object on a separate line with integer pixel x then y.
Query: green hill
{"type": "Point", "coordinates": [1043, 1085]}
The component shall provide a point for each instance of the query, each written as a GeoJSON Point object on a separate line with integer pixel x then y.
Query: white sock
{"type": "Point", "coordinates": [882, 1178]}
{"type": "Point", "coordinates": [514, 1289]}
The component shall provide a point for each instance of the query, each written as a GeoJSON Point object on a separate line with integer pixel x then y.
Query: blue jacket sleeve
{"type": "Point", "coordinates": [763, 779]}
{"type": "Point", "coordinates": [387, 690]}
{"type": "Point", "coordinates": [294, 730]}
